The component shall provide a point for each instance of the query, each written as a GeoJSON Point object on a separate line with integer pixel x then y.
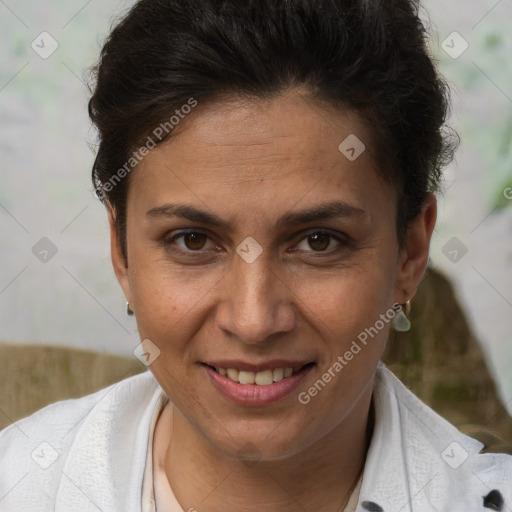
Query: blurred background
{"type": "Point", "coordinates": [56, 283]}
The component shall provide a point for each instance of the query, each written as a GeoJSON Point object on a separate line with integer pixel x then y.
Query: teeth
{"type": "Point", "coordinates": [277, 374]}
{"type": "Point", "coordinates": [263, 378]}
{"type": "Point", "coordinates": [232, 374]}
{"type": "Point", "coordinates": [246, 377]}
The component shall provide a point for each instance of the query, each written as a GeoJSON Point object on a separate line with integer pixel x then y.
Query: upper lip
{"type": "Point", "coordinates": [257, 367]}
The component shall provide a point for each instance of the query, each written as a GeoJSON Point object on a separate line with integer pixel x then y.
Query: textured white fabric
{"type": "Point", "coordinates": [417, 462]}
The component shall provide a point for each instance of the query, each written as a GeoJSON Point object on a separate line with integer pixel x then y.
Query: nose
{"type": "Point", "coordinates": [257, 304]}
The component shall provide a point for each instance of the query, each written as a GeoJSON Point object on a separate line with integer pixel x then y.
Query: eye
{"type": "Point", "coordinates": [196, 241]}
{"type": "Point", "coordinates": [191, 241]}
{"type": "Point", "coordinates": [321, 241]}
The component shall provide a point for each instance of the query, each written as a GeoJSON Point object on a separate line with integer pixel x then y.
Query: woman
{"type": "Point", "coordinates": [268, 169]}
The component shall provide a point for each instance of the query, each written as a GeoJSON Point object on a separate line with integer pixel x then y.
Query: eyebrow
{"type": "Point", "coordinates": [324, 211]}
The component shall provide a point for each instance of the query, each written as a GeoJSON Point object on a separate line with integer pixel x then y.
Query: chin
{"type": "Point", "coordinates": [269, 444]}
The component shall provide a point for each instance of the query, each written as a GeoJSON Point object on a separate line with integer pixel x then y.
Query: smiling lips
{"type": "Point", "coordinates": [248, 384]}
{"type": "Point", "coordinates": [264, 378]}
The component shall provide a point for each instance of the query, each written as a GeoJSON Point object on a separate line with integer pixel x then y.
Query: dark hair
{"type": "Point", "coordinates": [368, 55]}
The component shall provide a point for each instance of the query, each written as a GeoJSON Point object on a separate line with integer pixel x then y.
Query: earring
{"type": "Point", "coordinates": [400, 322]}
{"type": "Point", "coordinates": [129, 311]}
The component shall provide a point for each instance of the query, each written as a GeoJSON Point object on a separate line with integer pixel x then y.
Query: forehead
{"type": "Point", "coordinates": [288, 127]}
{"type": "Point", "coordinates": [261, 153]}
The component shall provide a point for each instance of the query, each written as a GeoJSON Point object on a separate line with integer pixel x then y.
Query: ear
{"type": "Point", "coordinates": [118, 260]}
{"type": "Point", "coordinates": [413, 257]}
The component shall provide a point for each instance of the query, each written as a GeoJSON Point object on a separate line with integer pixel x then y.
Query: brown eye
{"type": "Point", "coordinates": [190, 242]}
{"type": "Point", "coordinates": [319, 241]}
{"type": "Point", "coordinates": [194, 241]}
{"type": "Point", "coordinates": [322, 242]}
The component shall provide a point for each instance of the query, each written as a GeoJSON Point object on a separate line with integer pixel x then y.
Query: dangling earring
{"type": "Point", "coordinates": [129, 311]}
{"type": "Point", "coordinates": [400, 322]}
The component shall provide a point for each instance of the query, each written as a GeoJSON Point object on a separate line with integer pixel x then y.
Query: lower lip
{"type": "Point", "coordinates": [252, 394]}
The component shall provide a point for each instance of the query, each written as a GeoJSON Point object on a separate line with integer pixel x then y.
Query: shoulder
{"type": "Point", "coordinates": [435, 451]}
{"type": "Point", "coordinates": [35, 451]}
{"type": "Point", "coordinates": [61, 417]}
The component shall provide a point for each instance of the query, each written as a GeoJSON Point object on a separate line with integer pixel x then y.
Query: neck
{"type": "Point", "coordinates": [321, 477]}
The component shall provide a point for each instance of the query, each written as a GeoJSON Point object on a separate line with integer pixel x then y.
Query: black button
{"type": "Point", "coordinates": [371, 506]}
{"type": "Point", "coordinates": [494, 500]}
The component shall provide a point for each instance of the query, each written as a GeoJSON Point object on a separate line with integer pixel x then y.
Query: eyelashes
{"type": "Point", "coordinates": [195, 240]}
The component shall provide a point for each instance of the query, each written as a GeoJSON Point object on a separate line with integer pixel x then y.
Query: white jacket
{"type": "Point", "coordinates": [89, 455]}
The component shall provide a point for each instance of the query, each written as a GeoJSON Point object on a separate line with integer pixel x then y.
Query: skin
{"type": "Point", "coordinates": [250, 162]}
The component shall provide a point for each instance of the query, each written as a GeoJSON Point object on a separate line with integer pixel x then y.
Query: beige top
{"type": "Point", "coordinates": [157, 495]}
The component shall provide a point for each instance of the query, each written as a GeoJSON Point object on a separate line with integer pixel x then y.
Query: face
{"type": "Point", "coordinates": [254, 243]}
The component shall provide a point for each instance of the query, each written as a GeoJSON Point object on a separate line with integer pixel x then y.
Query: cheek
{"type": "Point", "coordinates": [349, 299]}
{"type": "Point", "coordinates": [351, 327]}
{"type": "Point", "coordinates": [345, 311]}
{"type": "Point", "coordinates": [171, 304]}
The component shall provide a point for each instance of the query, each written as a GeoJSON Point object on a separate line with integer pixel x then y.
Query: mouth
{"type": "Point", "coordinates": [264, 377]}
{"type": "Point", "coordinates": [260, 386]}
